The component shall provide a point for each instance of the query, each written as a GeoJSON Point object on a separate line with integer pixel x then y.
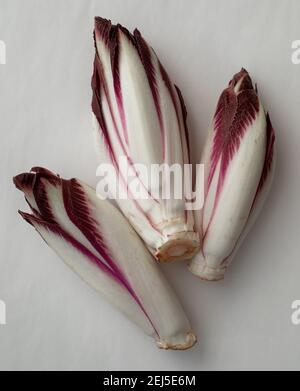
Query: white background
{"type": "Point", "coordinates": [54, 320]}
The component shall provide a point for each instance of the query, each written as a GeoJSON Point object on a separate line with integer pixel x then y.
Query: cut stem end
{"type": "Point", "coordinates": [180, 246]}
{"type": "Point", "coordinates": [179, 342]}
{"type": "Point", "coordinates": [205, 272]}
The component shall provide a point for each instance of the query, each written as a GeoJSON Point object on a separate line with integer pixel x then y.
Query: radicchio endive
{"type": "Point", "coordinates": [238, 159]}
{"type": "Point", "coordinates": [140, 115]}
{"type": "Point", "coordinates": [97, 242]}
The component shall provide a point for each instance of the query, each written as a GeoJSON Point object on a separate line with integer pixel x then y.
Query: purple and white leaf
{"type": "Point", "coordinates": [238, 159]}
{"type": "Point", "coordinates": [97, 242]}
{"type": "Point", "coordinates": [140, 115]}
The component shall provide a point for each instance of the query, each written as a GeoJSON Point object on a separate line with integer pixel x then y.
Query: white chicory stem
{"type": "Point", "coordinates": [239, 164]}
{"type": "Point", "coordinates": [140, 115]}
{"type": "Point", "coordinates": [97, 242]}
